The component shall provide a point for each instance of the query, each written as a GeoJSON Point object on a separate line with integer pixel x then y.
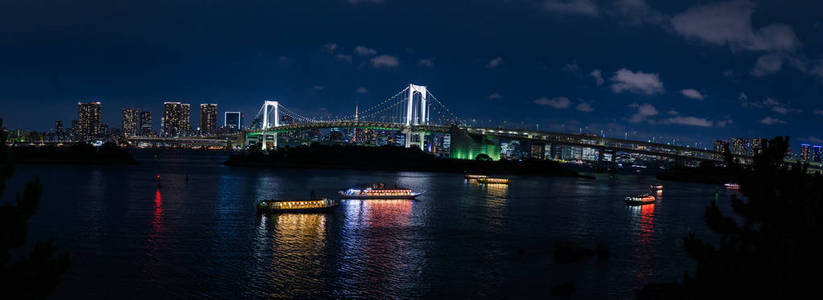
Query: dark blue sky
{"type": "Point", "coordinates": [710, 69]}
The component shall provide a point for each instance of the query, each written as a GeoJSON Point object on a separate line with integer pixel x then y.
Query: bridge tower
{"type": "Point", "coordinates": [422, 117]}
{"type": "Point", "coordinates": [270, 108]}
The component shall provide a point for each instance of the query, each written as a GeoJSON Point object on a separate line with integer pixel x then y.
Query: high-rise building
{"type": "Point", "coordinates": [720, 146]}
{"type": "Point", "coordinates": [130, 121]}
{"type": "Point", "coordinates": [145, 124]}
{"type": "Point", "coordinates": [805, 152]}
{"type": "Point", "coordinates": [208, 119]}
{"type": "Point", "coordinates": [816, 153]}
{"type": "Point", "coordinates": [88, 121]}
{"type": "Point", "coordinates": [233, 120]}
{"type": "Point", "coordinates": [738, 146]}
{"type": "Point", "coordinates": [758, 144]}
{"type": "Point", "coordinates": [176, 118]}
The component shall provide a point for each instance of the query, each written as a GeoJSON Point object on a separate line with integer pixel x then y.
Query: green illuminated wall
{"type": "Point", "coordinates": [468, 146]}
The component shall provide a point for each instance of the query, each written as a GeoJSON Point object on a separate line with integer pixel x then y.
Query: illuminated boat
{"type": "Point", "coordinates": [492, 180]}
{"type": "Point", "coordinates": [472, 176]}
{"type": "Point", "coordinates": [656, 187]}
{"type": "Point", "coordinates": [316, 205]}
{"type": "Point", "coordinates": [640, 199]}
{"type": "Point", "coordinates": [377, 191]}
{"type": "Point", "coordinates": [732, 186]}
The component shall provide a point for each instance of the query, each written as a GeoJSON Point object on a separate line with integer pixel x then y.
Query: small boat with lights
{"type": "Point", "coordinates": [640, 199]}
{"type": "Point", "coordinates": [493, 180]}
{"type": "Point", "coordinates": [378, 191]}
{"type": "Point", "coordinates": [314, 205]}
{"type": "Point", "coordinates": [656, 187]}
{"type": "Point", "coordinates": [732, 186]}
{"type": "Point", "coordinates": [474, 176]}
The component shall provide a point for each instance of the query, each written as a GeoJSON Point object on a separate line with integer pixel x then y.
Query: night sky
{"type": "Point", "coordinates": [695, 71]}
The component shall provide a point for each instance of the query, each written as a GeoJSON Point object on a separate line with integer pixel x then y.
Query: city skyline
{"type": "Point", "coordinates": [527, 65]}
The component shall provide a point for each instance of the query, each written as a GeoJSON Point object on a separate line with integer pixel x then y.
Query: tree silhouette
{"type": "Point", "coordinates": [29, 276]}
{"type": "Point", "coordinates": [772, 248]}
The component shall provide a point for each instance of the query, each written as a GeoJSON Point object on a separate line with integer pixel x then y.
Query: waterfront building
{"type": "Point", "coordinates": [233, 120]}
{"type": "Point", "coordinates": [130, 121]}
{"type": "Point", "coordinates": [805, 152]}
{"type": "Point", "coordinates": [58, 130]}
{"type": "Point", "coordinates": [208, 119]}
{"type": "Point", "coordinates": [816, 153]}
{"type": "Point", "coordinates": [176, 119]}
{"type": "Point", "coordinates": [757, 145]}
{"type": "Point", "coordinates": [738, 146]}
{"type": "Point", "coordinates": [88, 121]}
{"type": "Point", "coordinates": [720, 146]}
{"type": "Point", "coordinates": [145, 124]}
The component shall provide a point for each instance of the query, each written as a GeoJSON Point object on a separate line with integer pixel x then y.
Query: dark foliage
{"type": "Point", "coordinates": [773, 247]}
{"type": "Point", "coordinates": [388, 158]}
{"type": "Point", "coordinates": [36, 274]}
{"type": "Point", "coordinates": [707, 171]}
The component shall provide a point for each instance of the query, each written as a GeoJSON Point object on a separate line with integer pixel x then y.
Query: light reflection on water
{"type": "Point", "coordinates": [460, 239]}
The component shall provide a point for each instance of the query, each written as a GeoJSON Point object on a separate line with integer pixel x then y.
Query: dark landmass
{"type": "Point", "coordinates": [81, 153]}
{"type": "Point", "coordinates": [389, 158]}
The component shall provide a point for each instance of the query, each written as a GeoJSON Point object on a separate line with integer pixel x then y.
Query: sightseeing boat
{"type": "Point", "coordinates": [378, 191]}
{"type": "Point", "coordinates": [656, 187]}
{"type": "Point", "coordinates": [313, 205]}
{"type": "Point", "coordinates": [493, 180]}
{"type": "Point", "coordinates": [732, 186]}
{"type": "Point", "coordinates": [473, 176]}
{"type": "Point", "coordinates": [640, 199]}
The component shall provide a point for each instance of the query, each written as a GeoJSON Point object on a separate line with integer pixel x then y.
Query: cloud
{"type": "Point", "coordinates": [672, 112]}
{"type": "Point", "coordinates": [767, 64]}
{"type": "Point", "coordinates": [428, 63]}
{"type": "Point", "coordinates": [584, 107]}
{"type": "Point", "coordinates": [364, 51]}
{"type": "Point", "coordinates": [644, 111]}
{"type": "Point", "coordinates": [814, 140]}
{"type": "Point", "coordinates": [598, 77]}
{"type": "Point", "coordinates": [283, 60]}
{"type": "Point", "coordinates": [724, 123]}
{"type": "Point", "coordinates": [343, 57]}
{"type": "Point", "coordinates": [729, 23]}
{"type": "Point", "coordinates": [384, 61]}
{"type": "Point", "coordinates": [495, 62]}
{"type": "Point", "coordinates": [557, 103]}
{"type": "Point", "coordinates": [818, 112]}
{"type": "Point", "coordinates": [638, 11]}
{"type": "Point", "coordinates": [494, 96]}
{"type": "Point", "coordinates": [318, 87]}
{"type": "Point", "coordinates": [639, 82]}
{"type": "Point", "coordinates": [690, 121]}
{"type": "Point", "coordinates": [362, 90]}
{"type": "Point", "coordinates": [692, 93]}
{"type": "Point", "coordinates": [570, 68]}
{"type": "Point", "coordinates": [781, 110]}
{"type": "Point", "coordinates": [742, 96]}
{"type": "Point", "coordinates": [330, 48]}
{"type": "Point", "coordinates": [771, 121]}
{"type": "Point", "coordinates": [572, 7]}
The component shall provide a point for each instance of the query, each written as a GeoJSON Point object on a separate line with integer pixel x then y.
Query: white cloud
{"type": "Point", "coordinates": [692, 93]}
{"type": "Point", "coordinates": [729, 23]}
{"type": "Point", "coordinates": [742, 96]}
{"type": "Point", "coordinates": [771, 121]}
{"type": "Point", "coordinates": [724, 123]}
{"type": "Point", "coordinates": [781, 110]}
{"type": "Point", "coordinates": [644, 111]}
{"type": "Point", "coordinates": [672, 112]}
{"type": "Point", "coordinates": [318, 87]}
{"type": "Point", "coordinates": [636, 82]}
{"type": "Point", "coordinates": [690, 121]}
{"type": "Point", "coordinates": [385, 61]}
{"type": "Point", "coordinates": [495, 96]}
{"type": "Point", "coordinates": [343, 57]}
{"type": "Point", "coordinates": [330, 47]}
{"type": "Point", "coordinates": [364, 51]}
{"type": "Point", "coordinates": [362, 90]}
{"type": "Point", "coordinates": [495, 62]}
{"type": "Point", "coordinates": [558, 102]}
{"type": "Point", "coordinates": [767, 64]}
{"type": "Point", "coordinates": [598, 77]}
{"type": "Point", "coordinates": [638, 11]}
{"type": "Point", "coordinates": [818, 112]}
{"type": "Point", "coordinates": [584, 107]}
{"type": "Point", "coordinates": [428, 63]}
{"type": "Point", "coordinates": [814, 140]}
{"type": "Point", "coordinates": [283, 60]}
{"type": "Point", "coordinates": [572, 7]}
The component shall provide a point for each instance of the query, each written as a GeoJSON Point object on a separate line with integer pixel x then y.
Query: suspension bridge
{"type": "Point", "coordinates": [416, 113]}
